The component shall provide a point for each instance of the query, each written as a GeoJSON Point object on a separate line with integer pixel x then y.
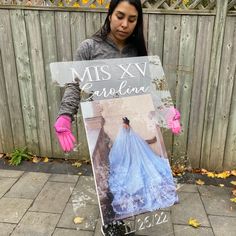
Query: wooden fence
{"type": "Point", "coordinates": [198, 52]}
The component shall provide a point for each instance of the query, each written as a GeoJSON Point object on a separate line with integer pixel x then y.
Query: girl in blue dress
{"type": "Point", "coordinates": [139, 179]}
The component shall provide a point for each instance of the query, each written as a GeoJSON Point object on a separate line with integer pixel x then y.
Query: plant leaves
{"type": "Point", "coordinates": [193, 222]}
{"type": "Point", "coordinates": [233, 172]}
{"type": "Point", "coordinates": [200, 182]}
{"type": "Point", "coordinates": [78, 220]}
{"type": "Point", "coordinates": [233, 182]}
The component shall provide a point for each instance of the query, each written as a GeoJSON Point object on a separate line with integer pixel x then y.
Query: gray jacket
{"type": "Point", "coordinates": [91, 49]}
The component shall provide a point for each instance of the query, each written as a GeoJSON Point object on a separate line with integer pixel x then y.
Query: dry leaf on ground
{"type": "Point", "coordinates": [1, 155]}
{"type": "Point", "coordinates": [233, 172]}
{"type": "Point", "coordinates": [233, 199]}
{"type": "Point", "coordinates": [234, 192]}
{"type": "Point", "coordinates": [46, 159]}
{"type": "Point", "coordinates": [223, 175]}
{"type": "Point", "coordinates": [193, 222]}
{"type": "Point", "coordinates": [233, 182]}
{"type": "Point", "coordinates": [221, 185]}
{"type": "Point", "coordinates": [200, 182]}
{"type": "Point", "coordinates": [87, 162]}
{"type": "Point", "coordinates": [35, 159]}
{"type": "Point", "coordinates": [78, 220]}
{"type": "Point", "coordinates": [211, 174]}
{"type": "Point", "coordinates": [77, 164]}
{"type": "Point", "coordinates": [204, 171]}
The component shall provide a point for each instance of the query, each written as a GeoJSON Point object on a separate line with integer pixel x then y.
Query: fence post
{"type": "Point", "coordinates": [207, 161]}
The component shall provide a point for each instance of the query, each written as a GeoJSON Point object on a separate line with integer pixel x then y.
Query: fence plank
{"type": "Point", "coordinates": [78, 35]}
{"type": "Point", "coordinates": [64, 53]}
{"type": "Point", "coordinates": [212, 85]}
{"type": "Point", "coordinates": [53, 91]}
{"type": "Point", "coordinates": [78, 32]}
{"type": "Point", "coordinates": [38, 81]}
{"type": "Point", "coordinates": [6, 139]}
{"type": "Point", "coordinates": [170, 63]}
{"type": "Point", "coordinates": [93, 23]}
{"type": "Point", "coordinates": [199, 89]}
{"type": "Point", "coordinates": [224, 93]}
{"type": "Point", "coordinates": [17, 135]}
{"type": "Point", "coordinates": [62, 22]}
{"type": "Point", "coordinates": [2, 104]}
{"type": "Point", "coordinates": [103, 18]}
{"type": "Point", "coordinates": [156, 35]}
{"type": "Point", "coordinates": [230, 145]}
{"type": "Point", "coordinates": [25, 79]}
{"type": "Point", "coordinates": [185, 79]}
{"type": "Point", "coordinates": [145, 28]}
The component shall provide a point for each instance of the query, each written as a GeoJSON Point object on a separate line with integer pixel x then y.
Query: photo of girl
{"type": "Point", "coordinates": [132, 171]}
{"type": "Point", "coordinates": [139, 180]}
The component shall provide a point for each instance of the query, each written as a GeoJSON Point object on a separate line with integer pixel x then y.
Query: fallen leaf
{"type": "Point", "coordinates": [223, 175]}
{"type": "Point", "coordinates": [35, 159]}
{"type": "Point", "coordinates": [178, 169]}
{"type": "Point", "coordinates": [197, 171]}
{"type": "Point", "coordinates": [87, 162]}
{"type": "Point", "coordinates": [80, 173]}
{"type": "Point", "coordinates": [221, 185]}
{"type": "Point", "coordinates": [77, 164]}
{"type": "Point", "coordinates": [233, 182]}
{"type": "Point", "coordinates": [233, 172]}
{"type": "Point", "coordinates": [2, 155]}
{"type": "Point", "coordinates": [233, 199]}
{"type": "Point", "coordinates": [204, 171]}
{"type": "Point", "coordinates": [234, 192]}
{"type": "Point", "coordinates": [78, 220]}
{"type": "Point", "coordinates": [200, 182]}
{"type": "Point", "coordinates": [211, 174]}
{"type": "Point", "coordinates": [45, 159]}
{"type": "Point", "coordinates": [193, 222]}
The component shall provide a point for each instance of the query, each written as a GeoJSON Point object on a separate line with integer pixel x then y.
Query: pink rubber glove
{"type": "Point", "coordinates": [64, 134]}
{"type": "Point", "coordinates": [174, 121]}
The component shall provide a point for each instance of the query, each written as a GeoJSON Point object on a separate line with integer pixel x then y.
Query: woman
{"type": "Point", "coordinates": [140, 180]}
{"type": "Point", "coordinates": [120, 36]}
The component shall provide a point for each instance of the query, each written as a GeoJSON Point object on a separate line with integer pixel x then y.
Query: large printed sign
{"type": "Point", "coordinates": [116, 78]}
{"type": "Point", "coordinates": [124, 103]}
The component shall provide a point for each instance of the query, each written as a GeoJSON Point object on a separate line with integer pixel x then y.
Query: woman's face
{"type": "Point", "coordinates": [126, 126]}
{"type": "Point", "coordinates": [122, 22]}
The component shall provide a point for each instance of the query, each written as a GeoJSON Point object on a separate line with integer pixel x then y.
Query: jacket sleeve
{"type": "Point", "coordinates": [71, 98]}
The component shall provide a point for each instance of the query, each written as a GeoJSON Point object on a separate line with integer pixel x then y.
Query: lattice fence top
{"type": "Point", "coordinates": [151, 4]}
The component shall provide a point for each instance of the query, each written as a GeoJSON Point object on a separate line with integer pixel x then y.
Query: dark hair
{"type": "Point", "coordinates": [137, 37]}
{"type": "Point", "coordinates": [125, 120]}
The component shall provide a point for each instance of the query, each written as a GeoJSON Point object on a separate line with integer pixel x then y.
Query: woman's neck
{"type": "Point", "coordinates": [119, 44]}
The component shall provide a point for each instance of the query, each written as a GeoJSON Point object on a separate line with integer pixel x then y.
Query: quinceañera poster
{"type": "Point", "coordinates": [125, 104]}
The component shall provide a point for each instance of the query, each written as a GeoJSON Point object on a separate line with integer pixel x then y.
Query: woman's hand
{"type": "Point", "coordinates": [64, 134]}
{"type": "Point", "coordinates": [174, 121]}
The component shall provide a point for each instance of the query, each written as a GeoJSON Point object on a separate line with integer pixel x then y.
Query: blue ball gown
{"type": "Point", "coordinates": [139, 180]}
